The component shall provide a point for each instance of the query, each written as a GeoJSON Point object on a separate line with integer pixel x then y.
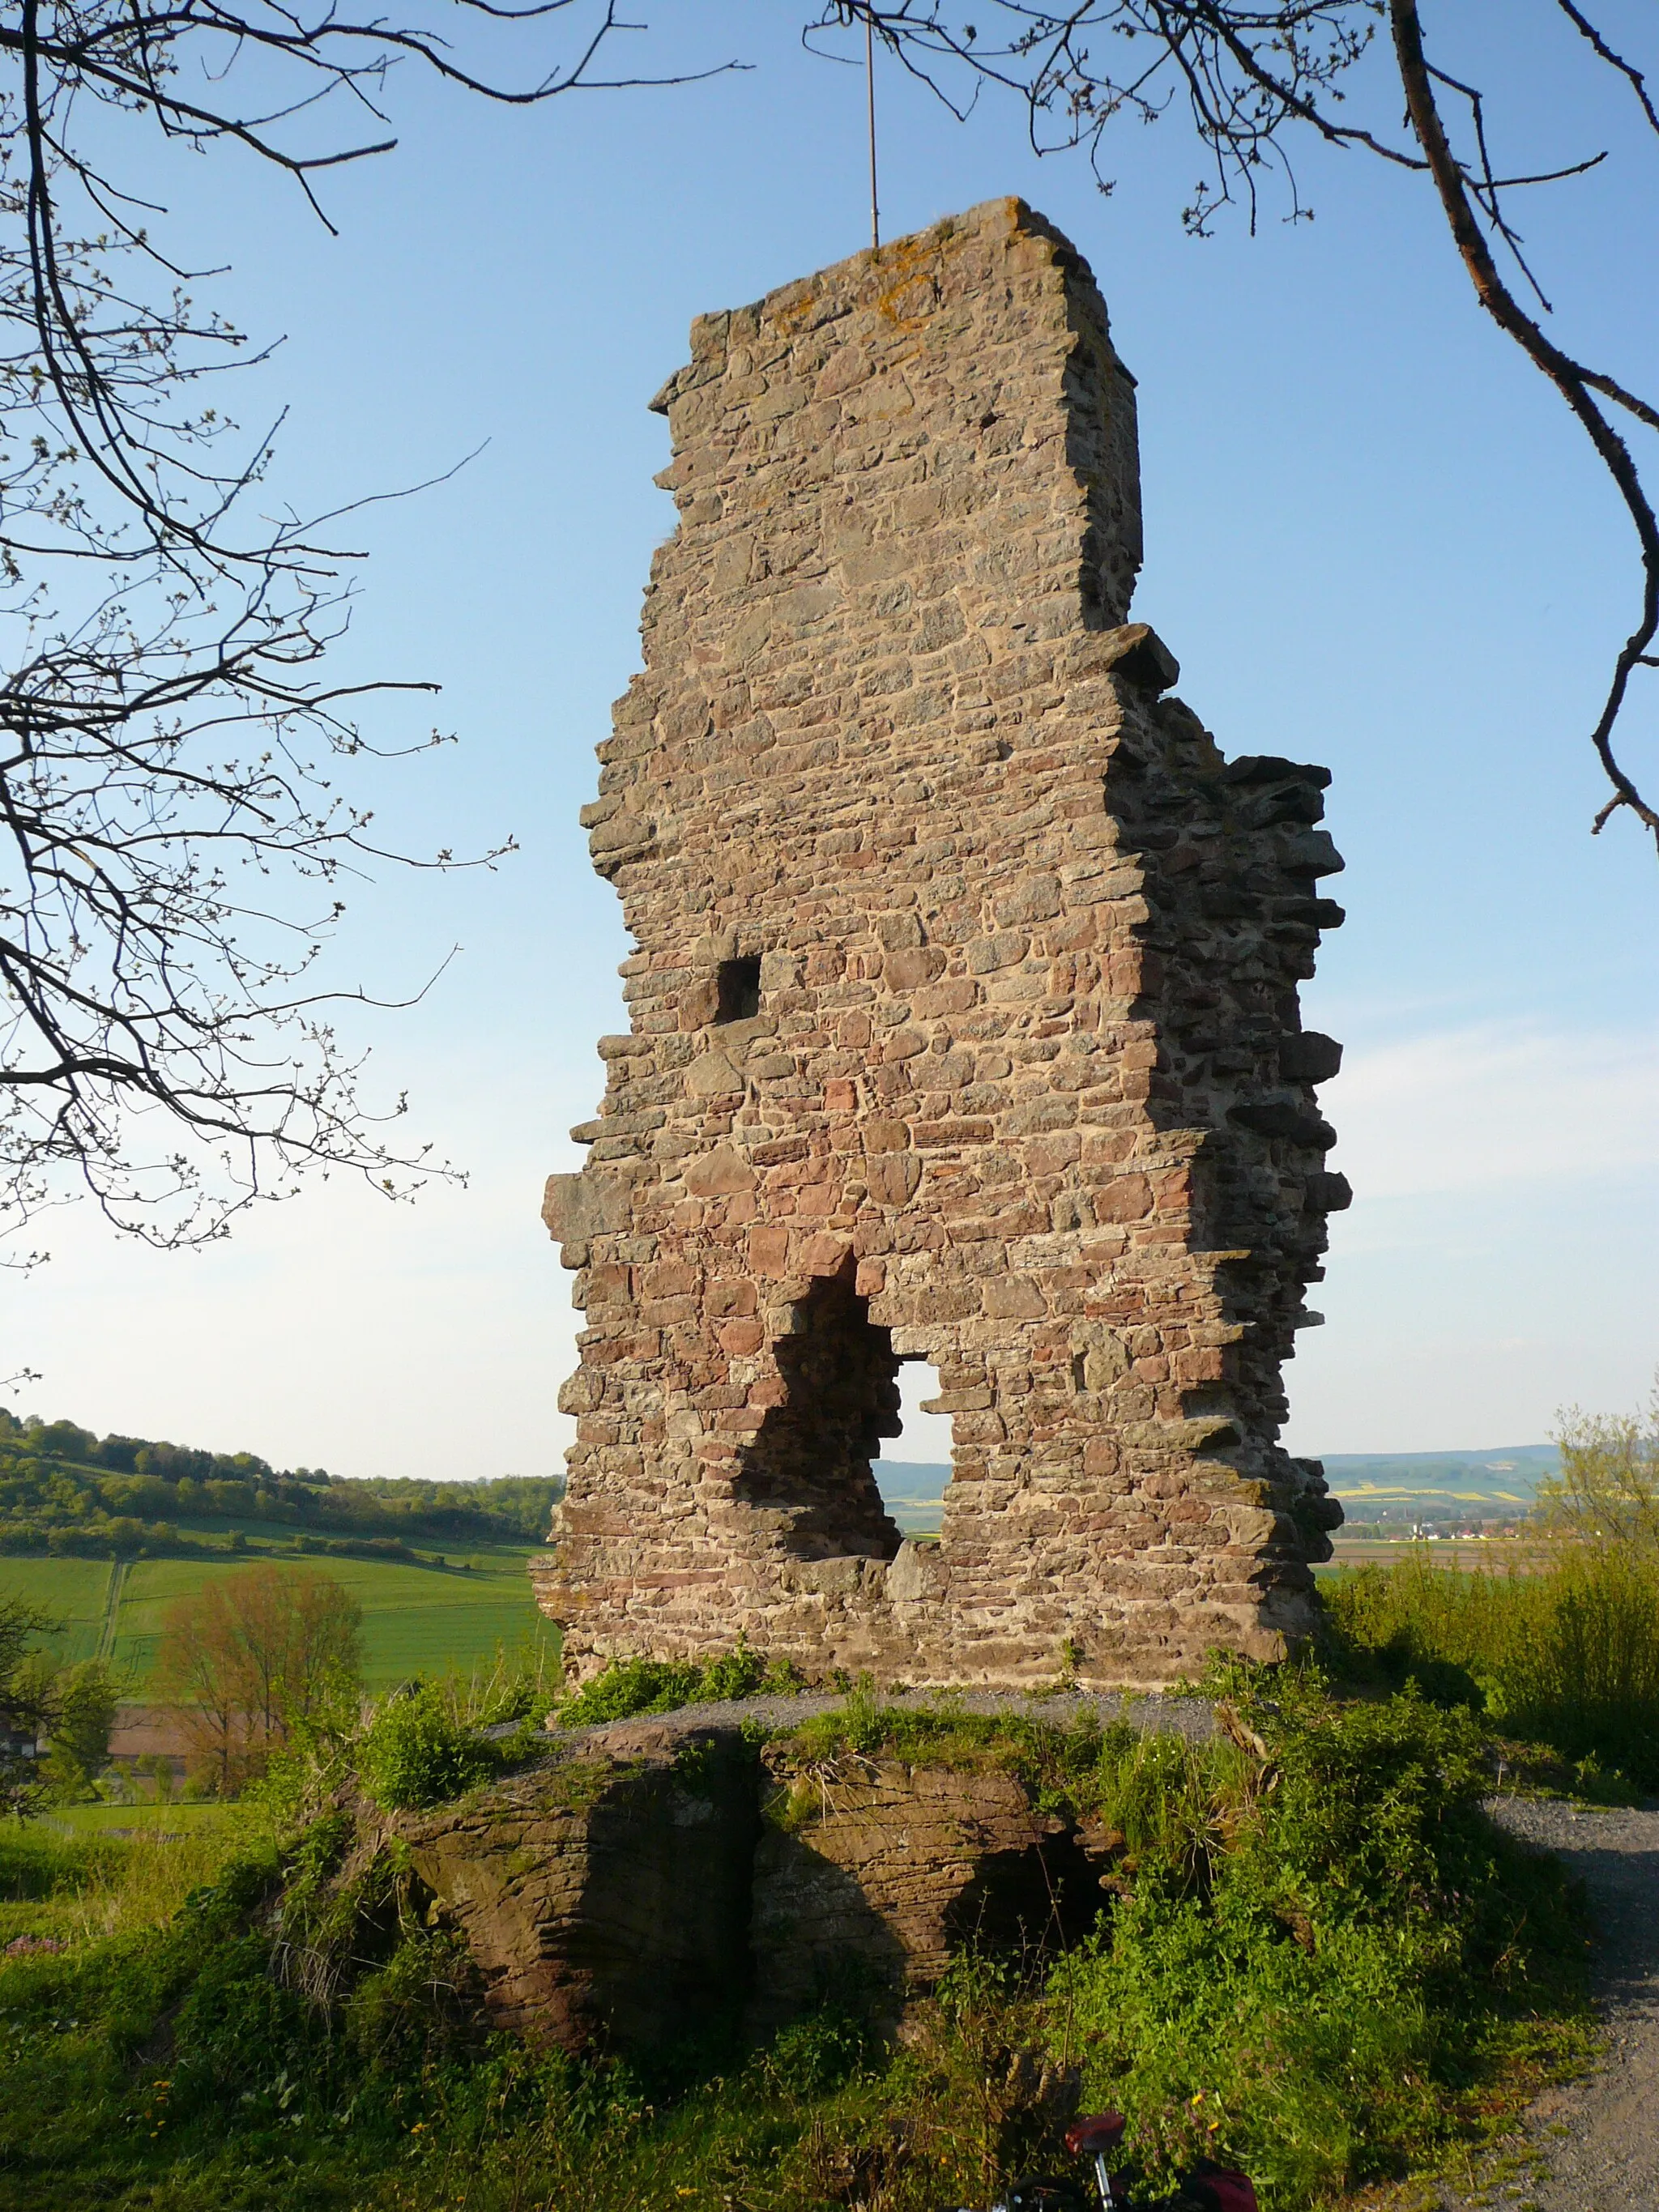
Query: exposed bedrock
{"type": "Point", "coordinates": [605, 1898]}
{"type": "Point", "coordinates": [665, 1879]}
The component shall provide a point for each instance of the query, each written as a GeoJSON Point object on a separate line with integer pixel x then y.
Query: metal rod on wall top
{"type": "Point", "coordinates": [870, 87]}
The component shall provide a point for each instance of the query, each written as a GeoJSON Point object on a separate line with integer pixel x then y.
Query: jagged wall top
{"type": "Point", "coordinates": [945, 370]}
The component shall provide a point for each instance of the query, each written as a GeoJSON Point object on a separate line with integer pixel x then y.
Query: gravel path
{"type": "Point", "coordinates": [1149, 1711]}
{"type": "Point", "coordinates": [1598, 2140]}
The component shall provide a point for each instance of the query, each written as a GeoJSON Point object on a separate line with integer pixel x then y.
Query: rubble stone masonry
{"type": "Point", "coordinates": [964, 1027]}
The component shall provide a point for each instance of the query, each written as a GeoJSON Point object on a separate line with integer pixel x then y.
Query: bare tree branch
{"type": "Point", "coordinates": [1247, 77]}
{"type": "Point", "coordinates": [174, 848]}
{"type": "Point", "coordinates": [1451, 182]}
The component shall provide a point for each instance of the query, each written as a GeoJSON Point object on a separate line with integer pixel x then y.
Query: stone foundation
{"type": "Point", "coordinates": [964, 1026]}
{"type": "Point", "coordinates": [669, 1879]}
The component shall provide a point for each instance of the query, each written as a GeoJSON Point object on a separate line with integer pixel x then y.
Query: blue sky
{"type": "Point", "coordinates": [1374, 540]}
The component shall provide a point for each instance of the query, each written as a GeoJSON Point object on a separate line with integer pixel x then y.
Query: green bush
{"type": "Point", "coordinates": [415, 1752]}
{"type": "Point", "coordinates": [1317, 1973]}
{"type": "Point", "coordinates": [1568, 1657]}
{"type": "Point", "coordinates": [627, 1687]}
{"type": "Point", "coordinates": [1316, 1957]}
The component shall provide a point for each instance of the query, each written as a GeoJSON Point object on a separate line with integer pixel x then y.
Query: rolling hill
{"type": "Point", "coordinates": [417, 1619]}
{"type": "Point", "coordinates": [1500, 1484]}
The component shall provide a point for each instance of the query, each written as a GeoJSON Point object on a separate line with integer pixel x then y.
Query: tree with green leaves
{"type": "Point", "coordinates": [23, 1706]}
{"type": "Point", "coordinates": [254, 1658]}
{"type": "Point", "coordinates": [81, 1704]}
{"type": "Point", "coordinates": [1607, 1491]}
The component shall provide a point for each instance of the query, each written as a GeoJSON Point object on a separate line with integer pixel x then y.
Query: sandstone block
{"type": "Point", "coordinates": [605, 1899]}
{"type": "Point", "coordinates": [577, 1207]}
{"type": "Point", "coordinates": [894, 1177]}
{"type": "Point", "coordinates": [907, 971]}
{"type": "Point", "coordinates": [1005, 949]}
{"type": "Point", "coordinates": [887, 1869]}
{"type": "Point", "coordinates": [720, 1170]}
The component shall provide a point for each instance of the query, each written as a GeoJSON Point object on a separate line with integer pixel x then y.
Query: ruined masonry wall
{"type": "Point", "coordinates": [964, 1026]}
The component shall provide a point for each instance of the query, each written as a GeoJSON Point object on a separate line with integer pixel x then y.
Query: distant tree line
{"type": "Point", "coordinates": [63, 1489]}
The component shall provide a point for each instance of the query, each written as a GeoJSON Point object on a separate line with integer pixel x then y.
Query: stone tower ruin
{"type": "Point", "coordinates": [964, 1027]}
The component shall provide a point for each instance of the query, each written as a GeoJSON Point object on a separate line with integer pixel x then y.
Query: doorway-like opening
{"type": "Point", "coordinates": [809, 1470]}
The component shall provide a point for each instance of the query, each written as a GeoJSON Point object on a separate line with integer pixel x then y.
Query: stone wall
{"type": "Point", "coordinates": [964, 1026]}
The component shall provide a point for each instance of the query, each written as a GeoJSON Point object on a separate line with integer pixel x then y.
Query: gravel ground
{"type": "Point", "coordinates": [1597, 2140]}
{"type": "Point", "coordinates": [1154, 1715]}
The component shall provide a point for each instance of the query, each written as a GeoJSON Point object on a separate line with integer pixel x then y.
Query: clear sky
{"type": "Point", "coordinates": [1374, 540]}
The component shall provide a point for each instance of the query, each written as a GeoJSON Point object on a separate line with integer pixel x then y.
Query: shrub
{"type": "Point", "coordinates": [1567, 1657]}
{"type": "Point", "coordinates": [414, 1752]}
{"type": "Point", "coordinates": [1320, 1952]}
{"type": "Point", "coordinates": [627, 1687]}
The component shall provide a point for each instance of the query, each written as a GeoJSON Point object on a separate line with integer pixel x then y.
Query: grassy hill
{"type": "Point", "coordinates": [417, 1619]}
{"type": "Point", "coordinates": [67, 1492]}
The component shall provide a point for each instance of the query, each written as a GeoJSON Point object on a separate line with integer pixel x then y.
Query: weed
{"type": "Point", "coordinates": [1568, 1657]}
{"type": "Point", "coordinates": [414, 1752]}
{"type": "Point", "coordinates": [626, 1689]}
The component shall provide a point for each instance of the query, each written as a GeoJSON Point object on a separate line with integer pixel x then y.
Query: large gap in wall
{"type": "Point", "coordinates": [808, 1474]}
{"type": "Point", "coordinates": [915, 1465]}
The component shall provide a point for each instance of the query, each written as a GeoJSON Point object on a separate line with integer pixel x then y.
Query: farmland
{"type": "Point", "coordinates": [1385, 1497]}
{"type": "Point", "coordinates": [417, 1619]}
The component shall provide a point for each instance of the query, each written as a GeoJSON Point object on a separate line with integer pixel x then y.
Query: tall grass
{"type": "Point", "coordinates": [1568, 1657]}
{"type": "Point", "coordinates": [75, 1890]}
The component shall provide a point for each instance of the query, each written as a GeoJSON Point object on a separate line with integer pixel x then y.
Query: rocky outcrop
{"type": "Point", "coordinates": [667, 1878]}
{"type": "Point", "coordinates": [873, 1871]}
{"type": "Point", "coordinates": [605, 1896]}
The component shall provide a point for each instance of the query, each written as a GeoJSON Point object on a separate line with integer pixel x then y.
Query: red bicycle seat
{"type": "Point", "coordinates": [1218, 2189]}
{"type": "Point", "coordinates": [1093, 2133]}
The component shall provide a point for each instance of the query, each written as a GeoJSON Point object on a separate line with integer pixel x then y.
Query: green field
{"type": "Point", "coordinates": [417, 1620]}
{"type": "Point", "coordinates": [140, 1821]}
{"type": "Point", "coordinates": [73, 1591]}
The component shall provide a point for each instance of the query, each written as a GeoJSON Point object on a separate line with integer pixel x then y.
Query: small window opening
{"type": "Point", "coordinates": [739, 991]}
{"type": "Point", "coordinates": [914, 1465]}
